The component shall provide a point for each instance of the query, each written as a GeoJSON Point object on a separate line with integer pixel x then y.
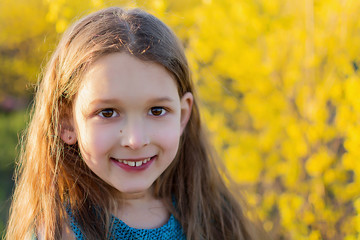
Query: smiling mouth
{"type": "Point", "coordinates": [133, 163]}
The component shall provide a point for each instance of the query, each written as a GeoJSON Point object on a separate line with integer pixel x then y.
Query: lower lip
{"type": "Point", "coordinates": [134, 169]}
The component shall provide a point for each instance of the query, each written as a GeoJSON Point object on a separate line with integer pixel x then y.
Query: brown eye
{"type": "Point", "coordinates": [157, 111]}
{"type": "Point", "coordinates": [107, 113]}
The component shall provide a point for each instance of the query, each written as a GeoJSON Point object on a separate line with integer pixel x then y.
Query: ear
{"type": "Point", "coordinates": [186, 103]}
{"type": "Point", "coordinates": [67, 131]}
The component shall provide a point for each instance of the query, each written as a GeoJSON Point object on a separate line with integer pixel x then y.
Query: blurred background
{"type": "Point", "coordinates": [279, 87]}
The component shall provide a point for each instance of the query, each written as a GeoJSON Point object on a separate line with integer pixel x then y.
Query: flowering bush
{"type": "Point", "coordinates": [279, 83]}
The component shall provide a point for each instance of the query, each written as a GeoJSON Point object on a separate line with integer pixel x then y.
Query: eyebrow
{"type": "Point", "coordinates": [117, 101]}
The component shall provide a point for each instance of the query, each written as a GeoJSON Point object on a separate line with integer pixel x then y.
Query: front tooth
{"type": "Point", "coordinates": [138, 163]}
{"type": "Point", "coordinates": [131, 164]}
{"type": "Point", "coordinates": [125, 161]}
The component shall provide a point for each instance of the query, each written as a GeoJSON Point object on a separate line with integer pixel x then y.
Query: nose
{"type": "Point", "coordinates": [134, 135]}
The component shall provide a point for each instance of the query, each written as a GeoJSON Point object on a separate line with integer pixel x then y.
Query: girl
{"type": "Point", "coordinates": [115, 148]}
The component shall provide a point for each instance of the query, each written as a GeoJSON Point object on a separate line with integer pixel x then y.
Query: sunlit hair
{"type": "Point", "coordinates": [52, 176]}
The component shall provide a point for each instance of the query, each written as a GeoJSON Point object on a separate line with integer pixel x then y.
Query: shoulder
{"type": "Point", "coordinates": [67, 234]}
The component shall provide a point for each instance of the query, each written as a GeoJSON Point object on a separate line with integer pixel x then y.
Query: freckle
{"type": "Point", "coordinates": [120, 131]}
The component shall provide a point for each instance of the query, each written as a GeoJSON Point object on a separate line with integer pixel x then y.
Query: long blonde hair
{"type": "Point", "coordinates": [51, 175]}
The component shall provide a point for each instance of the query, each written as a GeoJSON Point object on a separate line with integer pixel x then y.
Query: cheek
{"type": "Point", "coordinates": [95, 141]}
{"type": "Point", "coordinates": [168, 139]}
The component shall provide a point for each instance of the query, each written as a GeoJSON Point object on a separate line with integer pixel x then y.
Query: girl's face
{"type": "Point", "coordinates": [128, 119]}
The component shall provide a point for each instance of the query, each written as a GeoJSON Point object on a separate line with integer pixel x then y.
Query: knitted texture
{"type": "Point", "coordinates": [119, 230]}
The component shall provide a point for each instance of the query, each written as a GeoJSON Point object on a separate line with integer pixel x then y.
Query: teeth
{"type": "Point", "coordinates": [134, 163]}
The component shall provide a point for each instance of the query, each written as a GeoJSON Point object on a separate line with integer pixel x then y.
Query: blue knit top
{"type": "Point", "coordinates": [119, 230]}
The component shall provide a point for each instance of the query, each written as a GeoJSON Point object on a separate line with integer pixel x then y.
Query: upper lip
{"type": "Point", "coordinates": [133, 159]}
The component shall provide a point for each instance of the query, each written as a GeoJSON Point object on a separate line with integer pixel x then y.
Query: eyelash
{"type": "Point", "coordinates": [151, 112]}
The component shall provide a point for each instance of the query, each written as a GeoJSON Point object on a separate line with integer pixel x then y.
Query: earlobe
{"type": "Point", "coordinates": [67, 133]}
{"type": "Point", "coordinates": [68, 137]}
{"type": "Point", "coordinates": [186, 102]}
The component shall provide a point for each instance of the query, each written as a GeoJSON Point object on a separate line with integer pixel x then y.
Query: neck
{"type": "Point", "coordinates": [134, 197]}
{"type": "Point", "coordinates": [142, 210]}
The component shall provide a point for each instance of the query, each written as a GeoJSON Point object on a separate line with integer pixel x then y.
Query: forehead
{"type": "Point", "coordinates": [122, 75]}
